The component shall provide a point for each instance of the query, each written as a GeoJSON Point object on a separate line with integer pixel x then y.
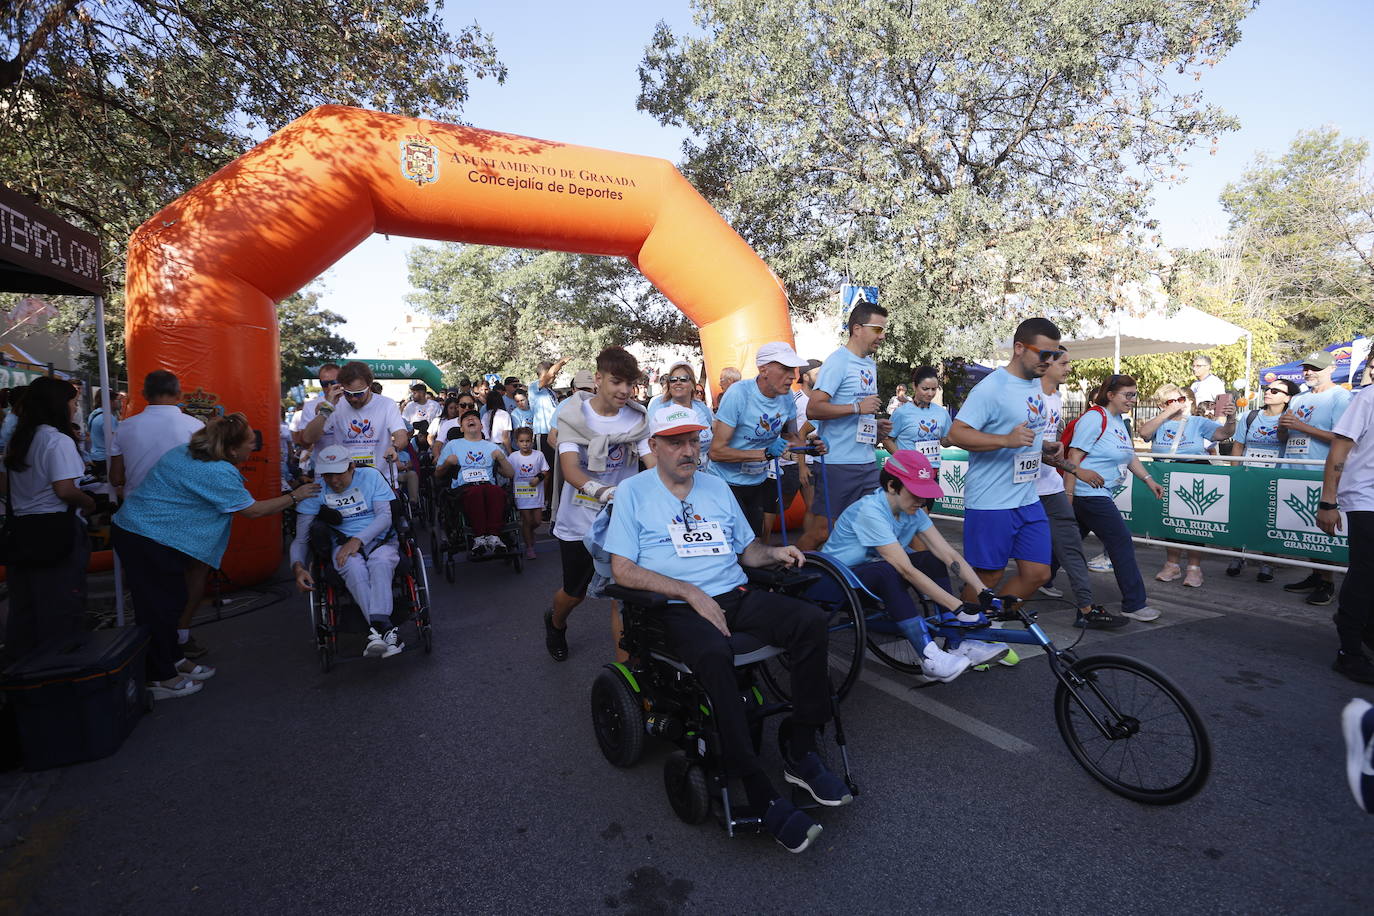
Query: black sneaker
{"type": "Point", "coordinates": [1356, 667]}
{"type": "Point", "coordinates": [1322, 594]}
{"type": "Point", "coordinates": [192, 649]}
{"type": "Point", "coordinates": [1234, 567]}
{"type": "Point", "coordinates": [1357, 724]}
{"type": "Point", "coordinates": [1097, 618]}
{"type": "Point", "coordinates": [1265, 574]}
{"type": "Point", "coordinates": [555, 640]}
{"type": "Point", "coordinates": [1306, 585]}
{"type": "Point", "coordinates": [811, 774]}
{"type": "Point", "coordinates": [789, 826]}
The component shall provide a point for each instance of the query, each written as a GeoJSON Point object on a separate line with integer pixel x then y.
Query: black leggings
{"type": "Point", "coordinates": [157, 579]}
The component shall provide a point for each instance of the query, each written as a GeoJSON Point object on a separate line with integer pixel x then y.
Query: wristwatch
{"type": "Point", "coordinates": [1328, 505]}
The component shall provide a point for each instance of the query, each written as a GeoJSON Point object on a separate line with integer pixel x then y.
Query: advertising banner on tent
{"type": "Point", "coordinates": [1265, 510]}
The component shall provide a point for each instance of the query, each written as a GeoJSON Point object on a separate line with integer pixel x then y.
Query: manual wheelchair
{"type": "Point", "coordinates": [655, 693]}
{"type": "Point", "coordinates": [331, 597]}
{"type": "Point", "coordinates": [453, 534]}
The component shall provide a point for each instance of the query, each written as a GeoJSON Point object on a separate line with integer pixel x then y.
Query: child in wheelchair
{"type": "Point", "coordinates": [355, 506]}
{"type": "Point", "coordinates": [474, 462]}
{"type": "Point", "coordinates": [871, 537]}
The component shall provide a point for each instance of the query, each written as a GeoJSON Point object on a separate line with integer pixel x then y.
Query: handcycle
{"type": "Point", "coordinates": [1124, 721]}
{"type": "Point", "coordinates": [656, 694]}
{"type": "Point", "coordinates": [330, 597]}
{"type": "Point", "coordinates": [453, 535]}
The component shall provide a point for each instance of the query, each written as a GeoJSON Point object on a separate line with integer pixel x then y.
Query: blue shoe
{"type": "Point", "coordinates": [811, 774]}
{"type": "Point", "coordinates": [1357, 723]}
{"type": "Point", "coordinates": [951, 619]}
{"type": "Point", "coordinates": [790, 826]}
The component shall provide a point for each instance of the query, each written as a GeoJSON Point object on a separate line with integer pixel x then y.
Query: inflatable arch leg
{"type": "Point", "coordinates": [205, 273]}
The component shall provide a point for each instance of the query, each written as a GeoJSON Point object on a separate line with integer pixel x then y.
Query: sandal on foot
{"type": "Point", "coordinates": [195, 672]}
{"type": "Point", "coordinates": [184, 688]}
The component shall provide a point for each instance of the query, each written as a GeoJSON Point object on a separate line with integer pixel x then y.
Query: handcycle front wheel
{"type": "Point", "coordinates": [1132, 729]}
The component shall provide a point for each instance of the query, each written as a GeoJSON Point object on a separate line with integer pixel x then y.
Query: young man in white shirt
{"type": "Point", "coordinates": [1348, 486]}
{"type": "Point", "coordinates": [421, 405]}
{"type": "Point", "coordinates": [601, 439]}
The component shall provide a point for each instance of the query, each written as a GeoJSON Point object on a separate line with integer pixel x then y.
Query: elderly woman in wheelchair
{"type": "Point", "coordinates": [871, 537]}
{"type": "Point", "coordinates": [683, 536]}
{"type": "Point", "coordinates": [355, 503]}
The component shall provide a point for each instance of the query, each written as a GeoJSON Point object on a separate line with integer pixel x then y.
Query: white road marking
{"type": "Point", "coordinates": [976, 727]}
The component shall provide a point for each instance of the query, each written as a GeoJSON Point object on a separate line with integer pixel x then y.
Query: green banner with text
{"type": "Point", "coordinates": [1261, 510]}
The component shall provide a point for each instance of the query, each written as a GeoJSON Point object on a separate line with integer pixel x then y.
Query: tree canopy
{"type": "Point", "coordinates": [307, 336]}
{"type": "Point", "coordinates": [505, 309]}
{"type": "Point", "coordinates": [976, 159]}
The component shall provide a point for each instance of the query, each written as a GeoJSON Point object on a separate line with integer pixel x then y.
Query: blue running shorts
{"type": "Point", "coordinates": [994, 536]}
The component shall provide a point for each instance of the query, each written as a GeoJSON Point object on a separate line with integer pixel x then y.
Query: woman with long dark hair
{"type": "Point", "coordinates": [496, 421]}
{"type": "Point", "coordinates": [180, 513]}
{"type": "Point", "coordinates": [1102, 444]}
{"type": "Point", "coordinates": [48, 547]}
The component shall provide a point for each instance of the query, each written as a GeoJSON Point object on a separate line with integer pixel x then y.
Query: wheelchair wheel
{"type": "Point", "coordinates": [427, 638]}
{"type": "Point", "coordinates": [1151, 746]}
{"type": "Point", "coordinates": [845, 626]}
{"type": "Point", "coordinates": [685, 781]}
{"type": "Point", "coordinates": [434, 543]}
{"type": "Point", "coordinates": [618, 719]}
{"type": "Point", "coordinates": [326, 659]}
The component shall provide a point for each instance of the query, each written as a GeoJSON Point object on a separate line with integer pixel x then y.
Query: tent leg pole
{"type": "Point", "coordinates": [103, 357]}
{"type": "Point", "coordinates": [1249, 359]}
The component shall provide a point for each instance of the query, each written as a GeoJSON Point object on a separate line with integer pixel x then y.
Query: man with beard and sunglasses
{"type": "Point", "coordinates": [367, 424]}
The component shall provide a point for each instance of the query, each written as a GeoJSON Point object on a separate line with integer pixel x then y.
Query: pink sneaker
{"type": "Point", "coordinates": [530, 554]}
{"type": "Point", "coordinates": [1194, 577]}
{"type": "Point", "coordinates": [1169, 573]}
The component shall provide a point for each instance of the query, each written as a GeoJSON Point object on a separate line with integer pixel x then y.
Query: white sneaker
{"type": "Point", "coordinates": [1051, 591]}
{"type": "Point", "coordinates": [978, 652]}
{"type": "Point", "coordinates": [1146, 613]}
{"type": "Point", "coordinates": [392, 644]}
{"type": "Point", "coordinates": [940, 665]}
{"type": "Point", "coordinates": [376, 644]}
{"type": "Point", "coordinates": [495, 543]}
{"type": "Point", "coordinates": [1100, 563]}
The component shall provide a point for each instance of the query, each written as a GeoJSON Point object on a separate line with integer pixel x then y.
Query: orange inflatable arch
{"type": "Point", "coordinates": [205, 273]}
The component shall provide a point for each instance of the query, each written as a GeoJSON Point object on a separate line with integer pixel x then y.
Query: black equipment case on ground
{"type": "Point", "coordinates": [77, 698]}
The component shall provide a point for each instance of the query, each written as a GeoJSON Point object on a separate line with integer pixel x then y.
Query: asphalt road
{"type": "Point", "coordinates": [470, 781]}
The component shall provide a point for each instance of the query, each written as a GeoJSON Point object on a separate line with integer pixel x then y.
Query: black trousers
{"type": "Point", "coordinates": [157, 580]}
{"type": "Point", "coordinates": [776, 619]}
{"type": "Point", "coordinates": [1355, 611]}
{"type": "Point", "coordinates": [47, 601]}
{"type": "Point", "coordinates": [756, 499]}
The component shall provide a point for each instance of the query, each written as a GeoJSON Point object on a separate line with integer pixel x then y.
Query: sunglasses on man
{"type": "Point", "coordinates": [1044, 356]}
{"type": "Point", "coordinates": [356, 394]}
{"type": "Point", "coordinates": [328, 383]}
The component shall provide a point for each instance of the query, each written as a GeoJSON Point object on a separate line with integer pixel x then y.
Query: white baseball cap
{"type": "Point", "coordinates": [675, 420]}
{"type": "Point", "coordinates": [333, 459]}
{"type": "Point", "coordinates": [778, 352]}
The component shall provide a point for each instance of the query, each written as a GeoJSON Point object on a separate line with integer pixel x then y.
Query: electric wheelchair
{"type": "Point", "coordinates": [655, 693]}
{"type": "Point", "coordinates": [330, 598]}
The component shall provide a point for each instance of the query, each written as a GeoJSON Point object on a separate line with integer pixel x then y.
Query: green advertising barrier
{"type": "Point", "coordinates": [1260, 510]}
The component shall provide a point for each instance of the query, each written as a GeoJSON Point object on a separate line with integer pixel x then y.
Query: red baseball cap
{"type": "Point", "coordinates": [914, 471]}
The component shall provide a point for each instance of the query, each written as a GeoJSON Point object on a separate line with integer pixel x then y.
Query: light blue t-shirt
{"type": "Point", "coordinates": [912, 425]}
{"type": "Point", "coordinates": [1319, 410]}
{"type": "Point", "coordinates": [644, 510]}
{"type": "Point", "coordinates": [187, 504]}
{"type": "Point", "coordinates": [519, 418]}
{"type": "Point", "coordinates": [475, 462]}
{"type": "Point", "coordinates": [1197, 436]}
{"type": "Point", "coordinates": [758, 421]}
{"type": "Point", "coordinates": [543, 406]}
{"type": "Point", "coordinates": [1260, 438]}
{"type": "Point", "coordinates": [1109, 454]}
{"type": "Point", "coordinates": [847, 379]}
{"type": "Point", "coordinates": [1004, 478]}
{"type": "Point", "coordinates": [355, 503]}
{"type": "Point", "coordinates": [869, 523]}
{"type": "Point", "coordinates": [95, 426]}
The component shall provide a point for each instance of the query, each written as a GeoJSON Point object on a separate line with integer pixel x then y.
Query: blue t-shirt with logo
{"type": "Point", "coordinates": [758, 421]}
{"type": "Point", "coordinates": [868, 524]}
{"type": "Point", "coordinates": [912, 425]}
{"type": "Point", "coordinates": [187, 504]}
{"type": "Point", "coordinates": [847, 379]}
{"type": "Point", "coordinates": [1109, 454]}
{"type": "Point", "coordinates": [543, 407]}
{"type": "Point", "coordinates": [1319, 410]}
{"type": "Point", "coordinates": [475, 461]}
{"type": "Point", "coordinates": [1260, 438]}
{"type": "Point", "coordinates": [639, 529]}
{"type": "Point", "coordinates": [519, 418]}
{"type": "Point", "coordinates": [1197, 436]}
{"type": "Point", "coordinates": [1004, 478]}
{"type": "Point", "coordinates": [355, 503]}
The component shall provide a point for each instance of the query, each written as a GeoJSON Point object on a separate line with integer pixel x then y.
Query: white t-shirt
{"type": "Point", "coordinates": [366, 431]}
{"type": "Point", "coordinates": [1051, 481]}
{"type": "Point", "coordinates": [576, 512]}
{"type": "Point", "coordinates": [439, 433]}
{"type": "Point", "coordinates": [429, 410]}
{"type": "Point", "coordinates": [529, 493]}
{"type": "Point", "coordinates": [1356, 491]}
{"type": "Point", "coordinates": [1208, 388]}
{"type": "Point", "coordinates": [147, 436]}
{"type": "Point", "coordinates": [52, 457]}
{"type": "Point", "coordinates": [497, 425]}
{"type": "Point", "coordinates": [302, 419]}
{"type": "Point", "coordinates": [802, 400]}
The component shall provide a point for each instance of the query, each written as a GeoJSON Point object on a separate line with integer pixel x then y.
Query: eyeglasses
{"type": "Point", "coordinates": [1276, 391]}
{"type": "Point", "coordinates": [877, 327]}
{"type": "Point", "coordinates": [687, 516]}
{"type": "Point", "coordinates": [1045, 356]}
{"type": "Point", "coordinates": [1169, 402]}
{"type": "Point", "coordinates": [1130, 395]}
{"type": "Point", "coordinates": [328, 383]}
{"type": "Point", "coordinates": [672, 379]}
{"type": "Point", "coordinates": [356, 394]}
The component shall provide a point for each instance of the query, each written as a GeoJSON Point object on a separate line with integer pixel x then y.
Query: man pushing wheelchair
{"type": "Point", "coordinates": [683, 535]}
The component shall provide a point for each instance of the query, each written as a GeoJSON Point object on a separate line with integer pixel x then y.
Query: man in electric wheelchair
{"type": "Point", "coordinates": [474, 462]}
{"type": "Point", "coordinates": [683, 535]}
{"type": "Point", "coordinates": [356, 504]}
